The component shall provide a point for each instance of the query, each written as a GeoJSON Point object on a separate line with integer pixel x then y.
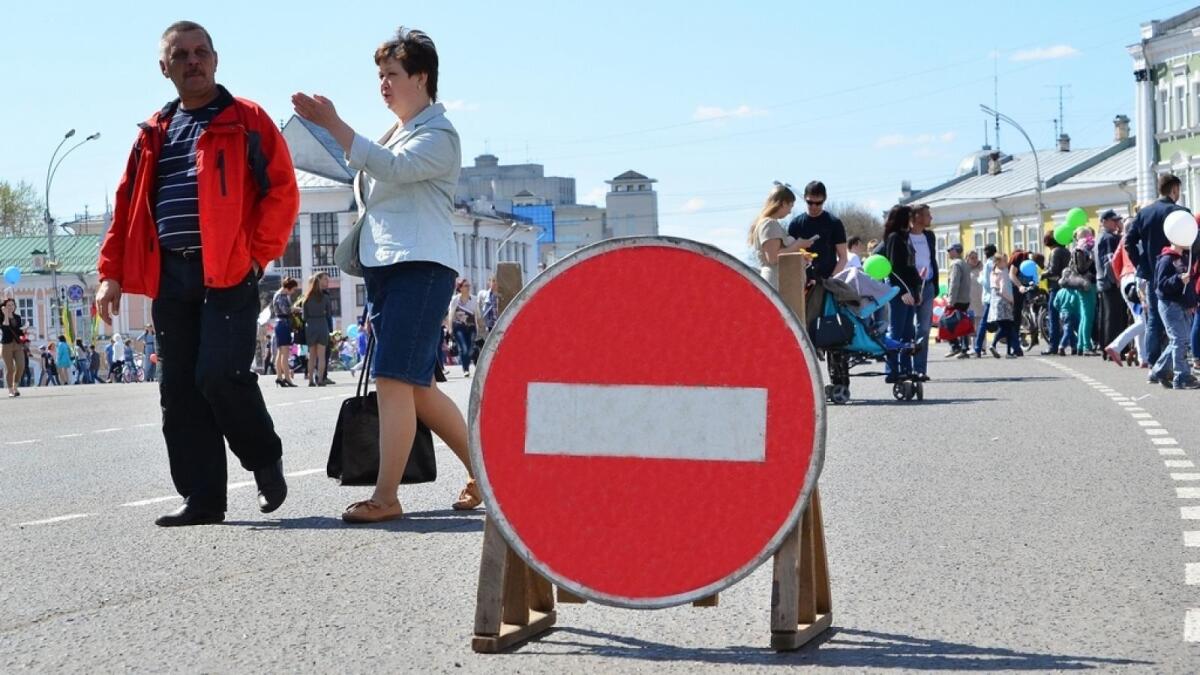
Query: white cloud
{"type": "Point", "coordinates": [693, 205]}
{"type": "Point", "coordinates": [919, 140]}
{"type": "Point", "coordinates": [459, 105]}
{"type": "Point", "coordinates": [710, 112]}
{"type": "Point", "coordinates": [595, 196]}
{"type": "Point", "coordinates": [1045, 53]}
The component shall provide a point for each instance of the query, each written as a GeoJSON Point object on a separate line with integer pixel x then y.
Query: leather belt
{"type": "Point", "coordinates": [185, 253]}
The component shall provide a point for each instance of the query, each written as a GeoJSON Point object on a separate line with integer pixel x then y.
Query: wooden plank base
{"type": "Point", "coordinates": [793, 640]}
{"type": "Point", "coordinates": [510, 635]}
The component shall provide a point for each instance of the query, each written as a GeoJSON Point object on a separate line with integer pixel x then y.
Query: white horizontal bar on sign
{"type": "Point", "coordinates": [654, 422]}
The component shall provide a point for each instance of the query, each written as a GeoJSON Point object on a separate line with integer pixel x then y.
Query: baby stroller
{"type": "Point", "coordinates": [850, 335]}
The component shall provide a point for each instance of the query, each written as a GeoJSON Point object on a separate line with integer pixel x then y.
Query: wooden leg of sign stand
{"type": "Point", "coordinates": [514, 603]}
{"type": "Point", "coordinates": [801, 605]}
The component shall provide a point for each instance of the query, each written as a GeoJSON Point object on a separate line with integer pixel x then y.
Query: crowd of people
{"type": "Point", "coordinates": [1128, 295]}
{"type": "Point", "coordinates": [59, 362]}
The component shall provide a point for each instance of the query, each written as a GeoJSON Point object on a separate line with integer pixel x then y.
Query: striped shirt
{"type": "Point", "coordinates": [177, 209]}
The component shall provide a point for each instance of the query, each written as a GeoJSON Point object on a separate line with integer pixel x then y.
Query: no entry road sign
{"type": "Point", "coordinates": [647, 422]}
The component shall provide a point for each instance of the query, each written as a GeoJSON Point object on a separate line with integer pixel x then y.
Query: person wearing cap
{"type": "Point", "coordinates": [1110, 306]}
{"type": "Point", "coordinates": [959, 295]}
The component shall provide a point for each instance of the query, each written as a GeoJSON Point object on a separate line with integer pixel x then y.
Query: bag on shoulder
{"type": "Point", "coordinates": [831, 332]}
{"type": "Point", "coordinates": [354, 454]}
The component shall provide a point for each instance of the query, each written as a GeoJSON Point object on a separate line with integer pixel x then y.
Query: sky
{"type": "Point", "coordinates": [713, 100]}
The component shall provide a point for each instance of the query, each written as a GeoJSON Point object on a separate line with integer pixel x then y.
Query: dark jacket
{"type": "Point", "coordinates": [11, 332]}
{"type": "Point", "coordinates": [1171, 265]}
{"type": "Point", "coordinates": [1060, 258]}
{"type": "Point", "coordinates": [1145, 237]}
{"type": "Point", "coordinates": [899, 251]}
{"type": "Point", "coordinates": [247, 191]}
{"type": "Point", "coordinates": [1106, 248]}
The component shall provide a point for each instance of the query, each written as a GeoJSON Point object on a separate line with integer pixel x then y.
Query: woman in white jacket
{"type": "Point", "coordinates": [403, 246]}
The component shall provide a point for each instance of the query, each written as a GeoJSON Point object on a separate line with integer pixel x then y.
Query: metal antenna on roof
{"type": "Point", "coordinates": [996, 91]}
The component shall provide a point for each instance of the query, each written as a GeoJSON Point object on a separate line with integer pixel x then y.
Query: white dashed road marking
{"type": "Point", "coordinates": [1190, 512]}
{"type": "Point", "coordinates": [1179, 464]}
{"type": "Point", "coordinates": [1191, 539]}
{"type": "Point", "coordinates": [1188, 492]}
{"type": "Point", "coordinates": [59, 519]}
{"type": "Point", "coordinates": [28, 442]}
{"type": "Point", "coordinates": [1185, 476]}
{"type": "Point", "coordinates": [106, 431]}
{"type": "Point", "coordinates": [154, 500]}
{"type": "Point", "coordinates": [1191, 626]}
{"type": "Point", "coordinates": [1192, 574]}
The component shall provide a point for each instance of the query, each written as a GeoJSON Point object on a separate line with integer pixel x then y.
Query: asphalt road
{"type": "Point", "coordinates": [1028, 515]}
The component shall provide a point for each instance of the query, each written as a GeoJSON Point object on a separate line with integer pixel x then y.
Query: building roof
{"type": "Point", "coordinates": [1119, 168]}
{"type": "Point", "coordinates": [631, 175]}
{"type": "Point", "coordinates": [309, 181]}
{"type": "Point", "coordinates": [524, 193]}
{"type": "Point", "coordinates": [1179, 22]}
{"type": "Point", "coordinates": [77, 254]}
{"type": "Point", "coordinates": [1018, 174]}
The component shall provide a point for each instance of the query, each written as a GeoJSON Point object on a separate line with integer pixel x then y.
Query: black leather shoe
{"type": "Point", "coordinates": [272, 488]}
{"type": "Point", "coordinates": [190, 515]}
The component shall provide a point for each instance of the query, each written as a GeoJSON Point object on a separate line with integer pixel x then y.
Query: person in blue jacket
{"type": "Point", "coordinates": [1144, 241]}
{"type": "Point", "coordinates": [1176, 302]}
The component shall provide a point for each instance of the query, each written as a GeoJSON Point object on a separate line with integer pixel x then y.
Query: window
{"type": "Point", "coordinates": [291, 254]}
{"type": "Point", "coordinates": [25, 309]}
{"type": "Point", "coordinates": [1163, 124]}
{"type": "Point", "coordinates": [1195, 107]}
{"type": "Point", "coordinates": [360, 295]}
{"type": "Point", "coordinates": [1018, 237]}
{"type": "Point", "coordinates": [335, 305]}
{"type": "Point", "coordinates": [1033, 238]}
{"type": "Point", "coordinates": [324, 238]}
{"type": "Point", "coordinates": [984, 235]}
{"type": "Point", "coordinates": [1180, 108]}
{"type": "Point", "coordinates": [487, 253]}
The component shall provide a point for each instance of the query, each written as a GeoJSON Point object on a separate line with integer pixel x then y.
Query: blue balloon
{"type": "Point", "coordinates": [12, 275]}
{"type": "Point", "coordinates": [1029, 270]}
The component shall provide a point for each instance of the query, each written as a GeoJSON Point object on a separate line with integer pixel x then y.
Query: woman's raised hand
{"type": "Point", "coordinates": [316, 109]}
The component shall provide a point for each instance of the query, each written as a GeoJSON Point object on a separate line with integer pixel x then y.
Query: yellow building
{"type": "Point", "coordinates": [996, 198]}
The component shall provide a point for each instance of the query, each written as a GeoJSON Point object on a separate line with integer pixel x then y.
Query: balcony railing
{"type": "Point", "coordinates": [332, 270]}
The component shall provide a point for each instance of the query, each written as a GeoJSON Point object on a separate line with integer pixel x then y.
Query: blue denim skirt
{"type": "Point", "coordinates": [408, 304]}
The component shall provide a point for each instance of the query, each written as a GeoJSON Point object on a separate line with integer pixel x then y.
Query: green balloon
{"type": "Point", "coordinates": [1063, 234]}
{"type": "Point", "coordinates": [943, 289]}
{"type": "Point", "coordinates": [877, 267]}
{"type": "Point", "coordinates": [1076, 218]}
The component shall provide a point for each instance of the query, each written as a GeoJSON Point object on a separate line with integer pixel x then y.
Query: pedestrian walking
{"type": "Point", "coordinates": [11, 335]}
{"type": "Point", "coordinates": [281, 307]}
{"type": "Point", "coordinates": [1083, 267]}
{"type": "Point", "coordinates": [115, 350]}
{"type": "Point", "coordinates": [898, 249]}
{"type": "Point", "coordinates": [208, 198]}
{"type": "Point", "coordinates": [464, 318]}
{"type": "Point", "coordinates": [28, 364]}
{"type": "Point", "coordinates": [1176, 302]}
{"type": "Point", "coordinates": [767, 236]}
{"type": "Point", "coordinates": [1059, 260]}
{"type": "Point", "coordinates": [1110, 310]}
{"type": "Point", "coordinates": [62, 359]}
{"type": "Point", "coordinates": [985, 283]}
{"type": "Point", "coordinates": [94, 364]}
{"type": "Point", "coordinates": [924, 249]}
{"type": "Point", "coordinates": [1144, 241]}
{"type": "Point", "coordinates": [489, 305]}
{"type": "Point", "coordinates": [148, 350]}
{"type": "Point", "coordinates": [83, 374]}
{"type": "Point", "coordinates": [974, 267]}
{"type": "Point", "coordinates": [49, 367]}
{"type": "Point", "coordinates": [959, 294]}
{"type": "Point", "coordinates": [1000, 310]}
{"type": "Point", "coordinates": [316, 308]}
{"type": "Point", "coordinates": [406, 182]}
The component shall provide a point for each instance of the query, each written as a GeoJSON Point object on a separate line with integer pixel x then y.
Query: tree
{"type": "Point", "coordinates": [859, 221]}
{"type": "Point", "coordinates": [20, 210]}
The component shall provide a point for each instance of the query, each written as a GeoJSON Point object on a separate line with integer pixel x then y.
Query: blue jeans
{"type": "Point", "coordinates": [924, 320]}
{"type": "Point", "coordinates": [151, 366]}
{"type": "Point", "coordinates": [1196, 336]}
{"type": "Point", "coordinates": [981, 330]}
{"type": "Point", "coordinates": [1155, 331]}
{"type": "Point", "coordinates": [1069, 322]}
{"type": "Point", "coordinates": [901, 328]}
{"type": "Point", "coordinates": [1056, 327]}
{"type": "Point", "coordinates": [464, 337]}
{"type": "Point", "coordinates": [1174, 358]}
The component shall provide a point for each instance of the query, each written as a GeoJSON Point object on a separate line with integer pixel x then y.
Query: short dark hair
{"type": "Point", "coordinates": [1166, 183]}
{"type": "Point", "coordinates": [289, 283]}
{"type": "Point", "coordinates": [989, 250]}
{"type": "Point", "coordinates": [183, 27]}
{"type": "Point", "coordinates": [416, 53]}
{"type": "Point", "coordinates": [1049, 241]}
{"type": "Point", "coordinates": [853, 241]}
{"type": "Point", "coordinates": [815, 189]}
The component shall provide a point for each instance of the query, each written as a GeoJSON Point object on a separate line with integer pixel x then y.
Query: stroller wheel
{"type": "Point", "coordinates": [829, 392]}
{"type": "Point", "coordinates": [920, 390]}
{"type": "Point", "coordinates": [840, 394]}
{"type": "Point", "coordinates": [898, 391]}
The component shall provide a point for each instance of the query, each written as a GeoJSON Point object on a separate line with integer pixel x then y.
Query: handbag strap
{"type": "Point", "coordinates": [364, 382]}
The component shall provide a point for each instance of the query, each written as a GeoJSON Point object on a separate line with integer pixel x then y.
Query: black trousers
{"type": "Point", "coordinates": [1111, 315]}
{"type": "Point", "coordinates": [207, 387]}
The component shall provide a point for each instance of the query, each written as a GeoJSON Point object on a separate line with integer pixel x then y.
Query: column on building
{"type": "Point", "coordinates": [1146, 187]}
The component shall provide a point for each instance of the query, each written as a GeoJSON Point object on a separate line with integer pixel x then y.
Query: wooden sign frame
{"type": "Point", "coordinates": [515, 603]}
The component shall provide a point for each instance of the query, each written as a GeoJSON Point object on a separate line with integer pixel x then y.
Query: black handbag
{"type": "Point", "coordinates": [354, 454]}
{"type": "Point", "coordinates": [829, 332]}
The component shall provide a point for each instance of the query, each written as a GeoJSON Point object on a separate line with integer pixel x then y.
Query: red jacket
{"type": "Point", "coordinates": [247, 195]}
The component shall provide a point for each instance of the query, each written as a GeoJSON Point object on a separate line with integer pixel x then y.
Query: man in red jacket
{"type": "Point", "coordinates": [208, 198]}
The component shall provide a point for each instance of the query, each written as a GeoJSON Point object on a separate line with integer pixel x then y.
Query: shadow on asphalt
{"type": "Point", "coordinates": [417, 521]}
{"type": "Point", "coordinates": [990, 380]}
{"type": "Point", "coordinates": [926, 402]}
{"type": "Point", "coordinates": [838, 648]}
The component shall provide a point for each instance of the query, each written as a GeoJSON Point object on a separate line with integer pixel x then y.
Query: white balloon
{"type": "Point", "coordinates": [1180, 228]}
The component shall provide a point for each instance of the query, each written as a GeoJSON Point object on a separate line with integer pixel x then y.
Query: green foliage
{"type": "Point", "coordinates": [20, 210]}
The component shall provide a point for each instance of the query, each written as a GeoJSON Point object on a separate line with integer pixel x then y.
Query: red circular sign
{"type": "Point", "coordinates": [647, 422]}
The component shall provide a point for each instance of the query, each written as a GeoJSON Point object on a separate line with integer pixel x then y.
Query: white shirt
{"type": "Point", "coordinates": [921, 248]}
{"type": "Point", "coordinates": [854, 261]}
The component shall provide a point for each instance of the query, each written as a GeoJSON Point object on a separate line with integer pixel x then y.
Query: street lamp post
{"type": "Point", "coordinates": [1036, 164]}
{"type": "Point", "coordinates": [51, 170]}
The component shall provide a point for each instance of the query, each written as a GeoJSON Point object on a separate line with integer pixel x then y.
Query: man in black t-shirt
{"type": "Point", "coordinates": [830, 234]}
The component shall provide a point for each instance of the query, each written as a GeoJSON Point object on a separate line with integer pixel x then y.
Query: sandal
{"type": "Point", "coordinates": [371, 511]}
{"type": "Point", "coordinates": [469, 498]}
